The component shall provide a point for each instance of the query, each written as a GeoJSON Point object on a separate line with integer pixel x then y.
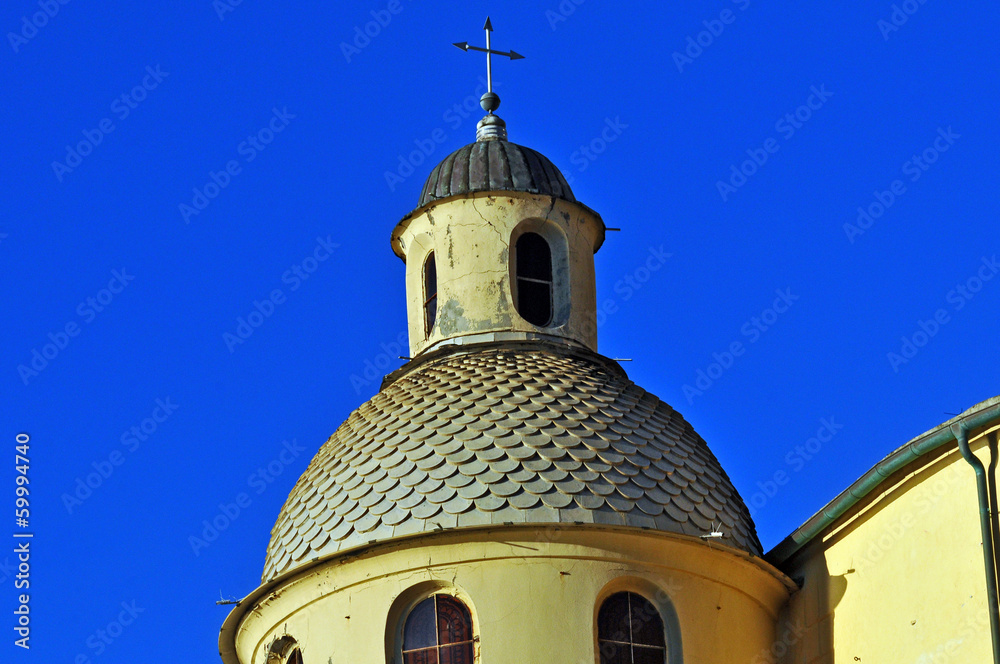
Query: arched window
{"type": "Point", "coordinates": [284, 651]}
{"type": "Point", "coordinates": [438, 630]}
{"type": "Point", "coordinates": [630, 631]}
{"type": "Point", "coordinates": [430, 293]}
{"type": "Point", "coordinates": [534, 279]}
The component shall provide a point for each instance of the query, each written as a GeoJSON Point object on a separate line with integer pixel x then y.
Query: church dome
{"type": "Point", "coordinates": [494, 165]}
{"type": "Point", "coordinates": [525, 433]}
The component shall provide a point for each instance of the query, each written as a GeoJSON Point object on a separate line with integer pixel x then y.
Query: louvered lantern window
{"type": "Point", "coordinates": [630, 631]}
{"type": "Point", "coordinates": [438, 631]}
{"type": "Point", "coordinates": [534, 279]}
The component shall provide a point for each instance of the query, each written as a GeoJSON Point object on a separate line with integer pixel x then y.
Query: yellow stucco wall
{"type": "Point", "coordinates": [533, 592]}
{"type": "Point", "coordinates": [901, 581]}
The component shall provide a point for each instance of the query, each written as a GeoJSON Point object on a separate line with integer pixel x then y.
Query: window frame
{"type": "Point", "coordinates": [650, 591]}
{"type": "Point", "coordinates": [630, 638]}
{"type": "Point", "coordinates": [560, 297]}
{"type": "Point", "coordinates": [438, 646]}
{"type": "Point", "coordinates": [429, 300]}
{"type": "Point", "coordinates": [519, 250]}
{"type": "Point", "coordinates": [408, 600]}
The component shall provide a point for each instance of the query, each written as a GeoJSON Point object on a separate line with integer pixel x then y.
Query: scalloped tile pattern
{"type": "Point", "coordinates": [498, 436]}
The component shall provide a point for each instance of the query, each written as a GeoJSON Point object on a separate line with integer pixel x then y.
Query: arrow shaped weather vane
{"type": "Point", "coordinates": [489, 101]}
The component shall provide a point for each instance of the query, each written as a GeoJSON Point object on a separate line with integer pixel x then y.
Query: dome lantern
{"type": "Point", "coordinates": [507, 485]}
{"type": "Point", "coordinates": [498, 249]}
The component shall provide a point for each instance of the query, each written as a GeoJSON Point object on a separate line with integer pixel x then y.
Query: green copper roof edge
{"type": "Point", "coordinates": [983, 414]}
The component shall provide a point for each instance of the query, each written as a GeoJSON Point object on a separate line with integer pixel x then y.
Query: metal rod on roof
{"type": "Point", "coordinates": [489, 61]}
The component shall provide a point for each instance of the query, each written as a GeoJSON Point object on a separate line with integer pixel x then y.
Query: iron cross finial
{"type": "Point", "coordinates": [489, 101]}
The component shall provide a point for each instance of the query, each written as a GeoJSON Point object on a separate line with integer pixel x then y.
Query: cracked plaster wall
{"type": "Point", "coordinates": [472, 240]}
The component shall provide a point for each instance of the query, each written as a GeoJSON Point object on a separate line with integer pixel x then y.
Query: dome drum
{"type": "Point", "coordinates": [477, 290]}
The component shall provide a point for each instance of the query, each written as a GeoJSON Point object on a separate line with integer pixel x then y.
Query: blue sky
{"type": "Point", "coordinates": [169, 166]}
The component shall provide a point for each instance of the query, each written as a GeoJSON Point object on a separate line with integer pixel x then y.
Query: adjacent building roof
{"type": "Point", "coordinates": [496, 435]}
{"type": "Point", "coordinates": [494, 166]}
{"type": "Point", "coordinates": [983, 414]}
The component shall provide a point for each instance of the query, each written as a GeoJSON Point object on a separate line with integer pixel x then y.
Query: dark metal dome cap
{"type": "Point", "coordinates": [494, 166]}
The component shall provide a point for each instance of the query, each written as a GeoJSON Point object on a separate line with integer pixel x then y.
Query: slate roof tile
{"type": "Point", "coordinates": [498, 436]}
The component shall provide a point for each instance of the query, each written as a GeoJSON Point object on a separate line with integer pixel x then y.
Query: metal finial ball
{"type": "Point", "coordinates": [490, 102]}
